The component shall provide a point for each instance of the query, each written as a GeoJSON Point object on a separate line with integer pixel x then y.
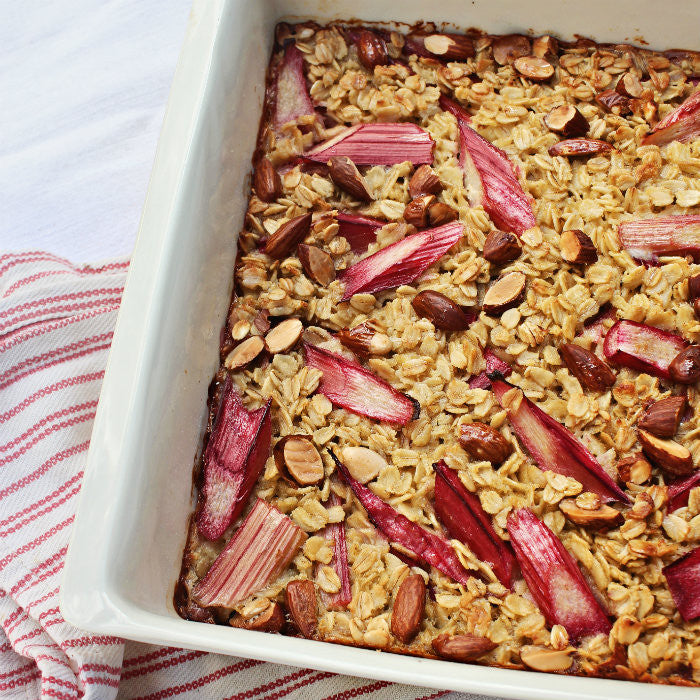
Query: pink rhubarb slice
{"type": "Point", "coordinates": [595, 329]}
{"type": "Point", "coordinates": [428, 547]}
{"type": "Point", "coordinates": [646, 239]}
{"type": "Point", "coordinates": [490, 178]}
{"type": "Point", "coordinates": [682, 124]}
{"type": "Point", "coordinates": [683, 577]}
{"type": "Point", "coordinates": [234, 457]}
{"type": "Point", "coordinates": [679, 490]}
{"type": "Point", "coordinates": [401, 262]}
{"type": "Point", "coordinates": [554, 579]}
{"type": "Point", "coordinates": [259, 551]}
{"type": "Point", "coordinates": [378, 144]}
{"type": "Point", "coordinates": [493, 364]}
{"type": "Point", "coordinates": [334, 533]}
{"type": "Point", "coordinates": [349, 385]}
{"type": "Point", "coordinates": [358, 231]}
{"type": "Point", "coordinates": [554, 448]}
{"type": "Point", "coordinates": [465, 520]}
{"type": "Point", "coordinates": [641, 347]}
{"type": "Point", "coordinates": [292, 99]}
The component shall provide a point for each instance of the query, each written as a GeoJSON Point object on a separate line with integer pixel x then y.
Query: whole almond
{"type": "Point", "coordinates": [508, 47]}
{"type": "Point", "coordinates": [301, 603]}
{"type": "Point", "coordinates": [244, 352]}
{"type": "Point", "coordinates": [663, 417]}
{"type": "Point", "coordinates": [567, 120]}
{"type": "Point", "coordinates": [483, 442]}
{"type": "Point", "coordinates": [298, 461]}
{"type": "Point", "coordinates": [668, 455]}
{"type": "Point", "coordinates": [409, 608]}
{"type": "Point", "coordinates": [587, 367]}
{"type": "Point", "coordinates": [602, 517]}
{"type": "Point", "coordinates": [440, 213]}
{"type": "Point", "coordinates": [441, 311]}
{"type": "Point", "coordinates": [288, 236]}
{"type": "Point", "coordinates": [634, 469]}
{"type": "Point", "coordinates": [424, 181]}
{"type": "Point", "coordinates": [284, 335]}
{"type": "Point", "coordinates": [269, 620]}
{"type": "Point", "coordinates": [345, 175]}
{"type": "Point", "coordinates": [685, 367]}
{"type": "Point", "coordinates": [501, 247]}
{"type": "Point", "coordinates": [577, 248]}
{"type": "Point", "coordinates": [317, 264]}
{"type": "Point", "coordinates": [543, 659]}
{"type": "Point", "coordinates": [266, 181]}
{"type": "Point", "coordinates": [371, 49]}
{"type": "Point", "coordinates": [462, 647]}
{"type": "Point", "coordinates": [362, 463]}
{"type": "Point", "coordinates": [573, 148]}
{"type": "Point", "coordinates": [534, 68]}
{"type": "Point", "coordinates": [545, 47]}
{"type": "Point", "coordinates": [416, 211]}
{"type": "Point", "coordinates": [504, 293]}
{"type": "Point", "coordinates": [449, 47]}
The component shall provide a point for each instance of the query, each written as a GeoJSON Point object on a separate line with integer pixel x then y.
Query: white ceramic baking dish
{"type": "Point", "coordinates": [130, 530]}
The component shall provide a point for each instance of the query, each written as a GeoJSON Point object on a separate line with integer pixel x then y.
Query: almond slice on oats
{"type": "Point", "coordinates": [317, 264]}
{"type": "Point", "coordinates": [246, 351]}
{"type": "Point", "coordinates": [504, 293]}
{"type": "Point", "coordinates": [362, 463]}
{"type": "Point", "coordinates": [543, 659]}
{"type": "Point", "coordinates": [668, 455]}
{"type": "Point", "coordinates": [335, 533]}
{"type": "Point", "coordinates": [284, 335]}
{"type": "Point", "coordinates": [298, 460]}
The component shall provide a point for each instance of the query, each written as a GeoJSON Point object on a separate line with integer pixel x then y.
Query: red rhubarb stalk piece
{"type": "Point", "coordinates": [646, 239]}
{"type": "Point", "coordinates": [595, 329]}
{"type": "Point", "coordinates": [428, 547]}
{"type": "Point", "coordinates": [335, 533]}
{"type": "Point", "coordinates": [490, 178]}
{"type": "Point", "coordinates": [554, 579]}
{"type": "Point", "coordinates": [465, 520]}
{"type": "Point", "coordinates": [683, 577]}
{"type": "Point", "coordinates": [682, 124]}
{"type": "Point", "coordinates": [259, 551]}
{"type": "Point", "coordinates": [641, 347]}
{"type": "Point", "coordinates": [378, 144]}
{"type": "Point", "coordinates": [292, 100]}
{"type": "Point", "coordinates": [679, 491]}
{"type": "Point", "coordinates": [358, 231]}
{"type": "Point", "coordinates": [351, 386]}
{"type": "Point", "coordinates": [234, 457]}
{"type": "Point", "coordinates": [493, 364]}
{"type": "Point", "coordinates": [554, 448]}
{"type": "Point", "coordinates": [401, 262]}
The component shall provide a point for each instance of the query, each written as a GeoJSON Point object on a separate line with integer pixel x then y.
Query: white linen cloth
{"type": "Point", "coordinates": [83, 86]}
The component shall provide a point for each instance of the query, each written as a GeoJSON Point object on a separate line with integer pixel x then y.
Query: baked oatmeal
{"type": "Point", "coordinates": [457, 409]}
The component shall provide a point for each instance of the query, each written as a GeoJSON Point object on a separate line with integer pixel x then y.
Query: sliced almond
{"type": "Point", "coordinates": [409, 608]}
{"type": "Point", "coordinates": [284, 335]}
{"type": "Point", "coordinates": [567, 120]}
{"type": "Point", "coordinates": [244, 352]}
{"type": "Point", "coordinates": [424, 181]}
{"type": "Point", "coordinates": [628, 85]}
{"type": "Point", "coordinates": [543, 659]}
{"type": "Point", "coordinates": [663, 417]}
{"type": "Point", "coordinates": [634, 469]}
{"type": "Point", "coordinates": [534, 68]}
{"type": "Point", "coordinates": [269, 620]}
{"type": "Point", "coordinates": [668, 455]}
{"type": "Point", "coordinates": [577, 247]}
{"type": "Point", "coordinates": [501, 247]}
{"type": "Point", "coordinates": [317, 264]}
{"type": "Point", "coordinates": [362, 463]}
{"type": "Point", "coordinates": [288, 236]}
{"type": "Point", "coordinates": [592, 519]}
{"type": "Point", "coordinates": [345, 175]}
{"type": "Point", "coordinates": [297, 459]}
{"type": "Point", "coordinates": [508, 47]}
{"type": "Point", "coordinates": [364, 339]}
{"type": "Point", "coordinates": [453, 47]}
{"type": "Point", "coordinates": [504, 293]}
{"type": "Point", "coordinates": [301, 603]}
{"type": "Point", "coordinates": [462, 647]}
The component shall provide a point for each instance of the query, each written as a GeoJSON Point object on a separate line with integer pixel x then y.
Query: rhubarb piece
{"type": "Point", "coordinates": [378, 144]}
{"type": "Point", "coordinates": [572, 148]}
{"type": "Point", "coordinates": [613, 102]}
{"type": "Point", "coordinates": [668, 455]}
{"type": "Point", "coordinates": [401, 262]}
{"type": "Point", "coordinates": [409, 608]}
{"type": "Point", "coordinates": [596, 327]}
{"type": "Point", "coordinates": [501, 247]}
{"type": "Point", "coordinates": [682, 124]}
{"type": "Point", "coordinates": [363, 464]}
{"type": "Point", "coordinates": [683, 577]}
{"type": "Point", "coordinates": [358, 231]}
{"type": "Point", "coordinates": [577, 248]}
{"type": "Point", "coordinates": [602, 517]}
{"type": "Point", "coordinates": [441, 311]}
{"type": "Point", "coordinates": [685, 367]}
{"type": "Point", "coordinates": [634, 469]}
{"type": "Point", "coordinates": [465, 520]}
{"type": "Point", "coordinates": [641, 347]}
{"type": "Point", "coordinates": [269, 620]}
{"type": "Point", "coordinates": [587, 367]}
{"type": "Point", "coordinates": [266, 181]}
{"type": "Point", "coordinates": [233, 460]}
{"type": "Point", "coordinates": [546, 659]}
{"type": "Point", "coordinates": [646, 239]}
{"type": "Point", "coordinates": [283, 241]}
{"type": "Point", "coordinates": [317, 264]}
{"type": "Point", "coordinates": [534, 68]}
{"type": "Point", "coordinates": [567, 120]}
{"type": "Point", "coordinates": [424, 181]}
{"type": "Point", "coordinates": [260, 550]}
{"type": "Point", "coordinates": [371, 48]}
{"type": "Point", "coordinates": [505, 293]}
{"type": "Point", "coordinates": [545, 47]}
{"type": "Point", "coordinates": [416, 211]}
{"type": "Point", "coordinates": [446, 47]}
{"type": "Point", "coordinates": [351, 386]}
{"type": "Point", "coordinates": [302, 605]}
{"type": "Point", "coordinates": [490, 178]}
{"type": "Point", "coordinates": [335, 533]}
{"type": "Point", "coordinates": [284, 335]}
{"type": "Point", "coordinates": [554, 579]}
{"type": "Point", "coordinates": [346, 176]}
{"type": "Point", "coordinates": [508, 47]}
{"type": "Point", "coordinates": [663, 417]}
{"type": "Point", "coordinates": [679, 491]}
{"type": "Point", "coordinates": [365, 340]}
{"type": "Point", "coordinates": [440, 213]}
{"type": "Point", "coordinates": [552, 446]}
{"type": "Point", "coordinates": [628, 85]}
{"type": "Point", "coordinates": [426, 546]}
{"type": "Point", "coordinates": [462, 647]}
{"type": "Point", "coordinates": [245, 352]}
{"type": "Point", "coordinates": [298, 461]}
{"type": "Point", "coordinates": [483, 442]}
{"type": "Point", "coordinates": [292, 101]}
{"type": "Point", "coordinates": [493, 364]}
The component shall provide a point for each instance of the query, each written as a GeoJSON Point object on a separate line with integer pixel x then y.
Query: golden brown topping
{"type": "Point", "coordinates": [284, 335]}
{"type": "Point", "coordinates": [587, 367]}
{"type": "Point", "coordinates": [288, 236]}
{"type": "Point", "coordinates": [266, 181]}
{"type": "Point", "coordinates": [668, 455]}
{"type": "Point", "coordinates": [317, 264]}
{"type": "Point", "coordinates": [592, 519]}
{"type": "Point", "coordinates": [685, 367]}
{"type": "Point", "coordinates": [534, 68]}
{"type": "Point", "coordinates": [244, 352]}
{"type": "Point", "coordinates": [504, 293]}
{"type": "Point", "coordinates": [663, 417]}
{"type": "Point", "coordinates": [543, 659]}
{"type": "Point", "coordinates": [481, 441]}
{"type": "Point", "coordinates": [501, 247]}
{"type": "Point", "coordinates": [567, 120]}
{"type": "Point", "coordinates": [301, 603]}
{"type": "Point", "coordinates": [509, 47]}
{"type": "Point", "coordinates": [345, 175]}
{"type": "Point", "coordinates": [577, 247]}
{"type": "Point", "coordinates": [297, 459]}
{"type": "Point", "coordinates": [634, 469]}
{"type": "Point", "coordinates": [424, 181]}
{"type": "Point", "coordinates": [441, 311]}
{"type": "Point", "coordinates": [462, 647]}
{"type": "Point", "coordinates": [409, 608]}
{"type": "Point", "coordinates": [363, 463]}
{"type": "Point", "coordinates": [269, 620]}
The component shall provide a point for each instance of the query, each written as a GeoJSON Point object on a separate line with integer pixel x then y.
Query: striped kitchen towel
{"type": "Point", "coordinates": [56, 325]}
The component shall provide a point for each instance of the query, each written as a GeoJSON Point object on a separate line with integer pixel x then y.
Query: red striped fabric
{"type": "Point", "coordinates": [56, 325]}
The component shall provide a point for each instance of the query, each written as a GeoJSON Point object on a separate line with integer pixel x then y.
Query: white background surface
{"type": "Point", "coordinates": [83, 88]}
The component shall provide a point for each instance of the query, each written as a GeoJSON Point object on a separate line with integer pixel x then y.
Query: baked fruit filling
{"type": "Point", "coordinates": [456, 413]}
